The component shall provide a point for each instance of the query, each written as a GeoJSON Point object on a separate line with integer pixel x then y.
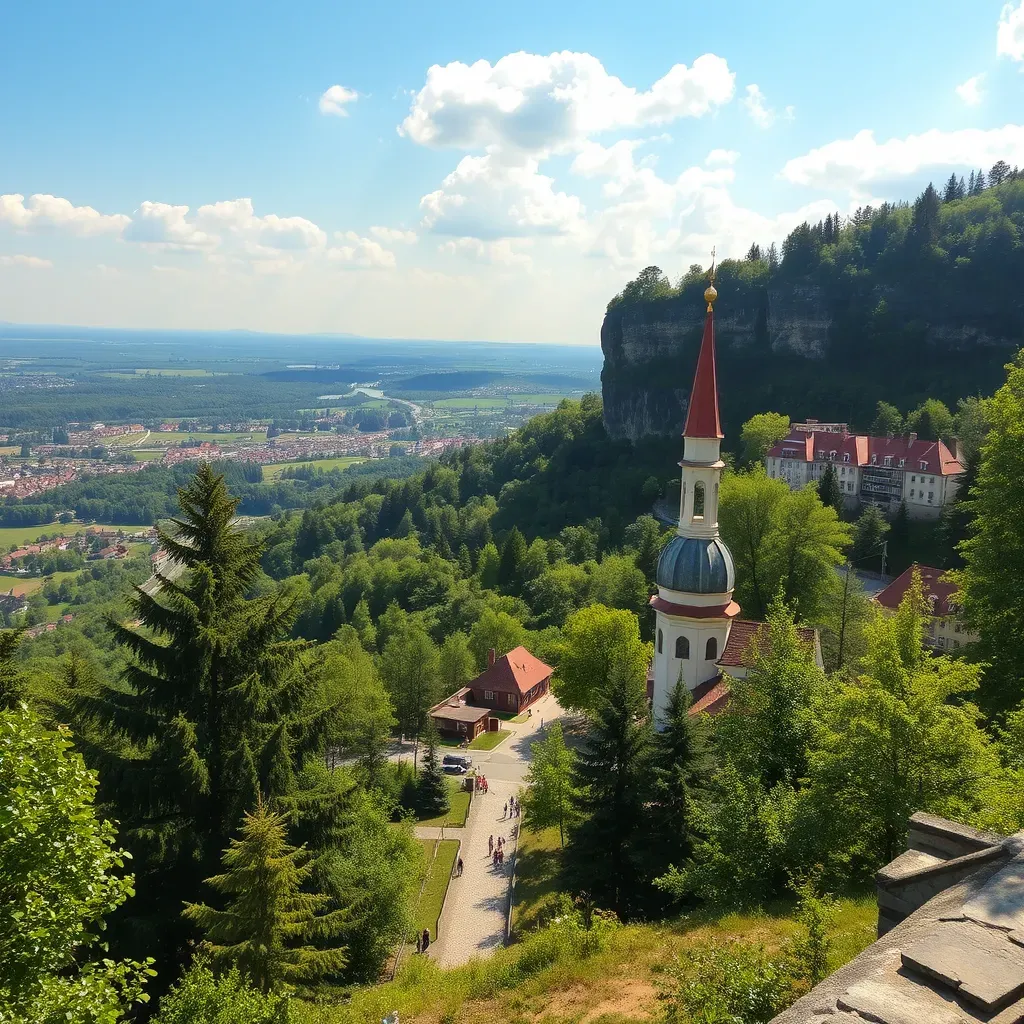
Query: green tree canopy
{"type": "Point", "coordinates": [551, 795]}
{"type": "Point", "coordinates": [888, 421]}
{"type": "Point", "coordinates": [760, 433]}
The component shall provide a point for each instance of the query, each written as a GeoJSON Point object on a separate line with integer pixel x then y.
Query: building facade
{"type": "Point", "coordinates": [880, 471]}
{"type": "Point", "coordinates": [946, 630]}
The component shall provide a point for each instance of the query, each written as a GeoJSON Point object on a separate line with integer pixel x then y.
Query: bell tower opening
{"type": "Point", "coordinates": [698, 502]}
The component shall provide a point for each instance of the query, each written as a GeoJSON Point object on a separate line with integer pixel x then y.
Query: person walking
{"type": "Point", "coordinates": [426, 939]}
{"type": "Point", "coordinates": [490, 845]}
{"type": "Point", "coordinates": [504, 811]}
{"type": "Point", "coordinates": [458, 869]}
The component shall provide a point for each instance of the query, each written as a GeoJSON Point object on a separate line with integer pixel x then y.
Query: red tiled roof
{"type": "Point", "coordinates": [939, 594]}
{"type": "Point", "coordinates": [710, 697]}
{"type": "Point", "coordinates": [805, 447]}
{"type": "Point", "coordinates": [741, 636]}
{"type": "Point", "coordinates": [702, 412]}
{"type": "Point", "coordinates": [516, 672]}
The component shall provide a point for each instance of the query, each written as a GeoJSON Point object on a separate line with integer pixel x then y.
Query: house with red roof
{"type": "Point", "coordinates": [946, 629]}
{"type": "Point", "coordinates": [510, 683]}
{"type": "Point", "coordinates": [882, 471]}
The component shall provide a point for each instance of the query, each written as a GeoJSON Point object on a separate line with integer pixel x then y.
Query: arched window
{"type": "Point", "coordinates": [660, 639]}
{"type": "Point", "coordinates": [711, 650]}
{"type": "Point", "coordinates": [698, 500]}
{"type": "Point", "coordinates": [682, 648]}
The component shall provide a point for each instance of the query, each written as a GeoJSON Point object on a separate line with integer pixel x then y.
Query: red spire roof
{"type": "Point", "coordinates": [702, 413]}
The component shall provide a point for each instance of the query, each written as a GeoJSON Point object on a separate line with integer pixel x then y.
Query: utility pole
{"type": "Point", "coordinates": [885, 551]}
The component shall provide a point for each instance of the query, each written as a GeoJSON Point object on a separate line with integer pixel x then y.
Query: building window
{"type": "Point", "coordinates": [913, 479]}
{"type": "Point", "coordinates": [941, 641]}
{"type": "Point", "coordinates": [660, 640]}
{"type": "Point", "coordinates": [832, 456]}
{"type": "Point", "coordinates": [821, 453]}
{"type": "Point", "coordinates": [488, 695]}
{"type": "Point", "coordinates": [698, 500]}
{"type": "Point", "coordinates": [682, 648]}
{"type": "Point", "coordinates": [931, 479]}
{"type": "Point", "coordinates": [922, 464]}
{"type": "Point", "coordinates": [511, 699]}
{"type": "Point", "coordinates": [911, 491]}
{"type": "Point", "coordinates": [849, 486]}
{"type": "Point", "coordinates": [711, 650]}
{"type": "Point", "coordinates": [846, 456]}
{"type": "Point", "coordinates": [931, 494]}
{"type": "Point", "coordinates": [901, 462]}
{"type": "Point", "coordinates": [887, 460]}
{"type": "Point", "coordinates": [874, 460]}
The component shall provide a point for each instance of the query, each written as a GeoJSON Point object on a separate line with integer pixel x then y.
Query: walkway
{"type": "Point", "coordinates": [476, 908]}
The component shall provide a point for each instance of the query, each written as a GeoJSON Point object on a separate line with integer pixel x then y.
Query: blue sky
{"type": "Point", "coordinates": [472, 171]}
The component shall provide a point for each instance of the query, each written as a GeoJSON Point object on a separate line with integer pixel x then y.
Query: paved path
{"type": "Point", "coordinates": [476, 908]}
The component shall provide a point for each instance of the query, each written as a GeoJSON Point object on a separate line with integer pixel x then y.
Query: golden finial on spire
{"type": "Point", "coordinates": [711, 293]}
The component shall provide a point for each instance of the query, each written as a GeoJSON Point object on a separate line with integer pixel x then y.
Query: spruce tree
{"type": "Point", "coordinates": [681, 763]}
{"type": "Point", "coordinates": [512, 555]}
{"type": "Point", "coordinates": [267, 912]}
{"type": "Point", "coordinates": [828, 489]}
{"type": "Point", "coordinates": [604, 856]}
{"type": "Point", "coordinates": [12, 685]}
{"type": "Point", "coordinates": [432, 787]}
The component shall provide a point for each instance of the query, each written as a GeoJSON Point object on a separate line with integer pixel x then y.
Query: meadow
{"type": "Point", "coordinates": [15, 536]}
{"type": "Point", "coordinates": [273, 470]}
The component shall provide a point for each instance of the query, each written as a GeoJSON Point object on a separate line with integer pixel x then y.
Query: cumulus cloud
{"type": "Point", "coordinates": [499, 252]}
{"type": "Point", "coordinates": [336, 99]}
{"type": "Point", "coordinates": [392, 235]}
{"type": "Point", "coordinates": [495, 196]}
{"type": "Point", "coordinates": [721, 158]}
{"type": "Point", "coordinates": [31, 262]}
{"type": "Point", "coordinates": [1010, 33]}
{"type": "Point", "coordinates": [357, 251]}
{"type": "Point", "coordinates": [236, 218]}
{"type": "Point", "coordinates": [45, 211]}
{"type": "Point", "coordinates": [852, 163]}
{"type": "Point", "coordinates": [540, 104]}
{"type": "Point", "coordinates": [757, 107]}
{"type": "Point", "coordinates": [615, 161]}
{"type": "Point", "coordinates": [970, 91]}
{"type": "Point", "coordinates": [167, 227]}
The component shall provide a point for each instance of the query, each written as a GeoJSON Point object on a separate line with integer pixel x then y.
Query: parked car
{"type": "Point", "coordinates": [454, 769]}
{"type": "Point", "coordinates": [464, 759]}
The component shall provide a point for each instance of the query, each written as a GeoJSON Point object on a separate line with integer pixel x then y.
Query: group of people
{"type": "Point", "coordinates": [496, 850]}
{"type": "Point", "coordinates": [423, 941]}
{"type": "Point", "coordinates": [513, 808]}
{"type": "Point", "coordinates": [481, 783]}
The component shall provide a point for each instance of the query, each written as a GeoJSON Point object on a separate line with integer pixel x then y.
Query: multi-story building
{"type": "Point", "coordinates": [946, 630]}
{"type": "Point", "coordinates": [881, 471]}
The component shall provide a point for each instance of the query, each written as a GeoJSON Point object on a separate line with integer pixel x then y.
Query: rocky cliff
{"type": "Point", "coordinates": [790, 349]}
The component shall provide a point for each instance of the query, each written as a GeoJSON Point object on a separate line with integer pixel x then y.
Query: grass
{"type": "Point", "coordinates": [439, 874]}
{"type": "Point", "coordinates": [537, 982]}
{"type": "Point", "coordinates": [457, 812]}
{"type": "Point", "coordinates": [273, 470]}
{"type": "Point", "coordinates": [18, 535]}
{"type": "Point", "coordinates": [489, 740]}
{"type": "Point", "coordinates": [538, 862]}
{"type": "Point", "coordinates": [10, 449]}
{"type": "Point", "coordinates": [147, 455]}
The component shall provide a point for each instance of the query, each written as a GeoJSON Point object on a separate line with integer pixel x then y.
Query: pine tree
{"type": "Point", "coordinates": [949, 193]}
{"type": "Point", "coordinates": [512, 555]}
{"type": "Point", "coordinates": [604, 856]}
{"type": "Point", "coordinates": [363, 625]}
{"type": "Point", "coordinates": [12, 685]}
{"type": "Point", "coordinates": [829, 491]}
{"type": "Point", "coordinates": [681, 763]}
{"type": "Point", "coordinates": [432, 787]}
{"type": "Point", "coordinates": [970, 185]}
{"type": "Point", "coordinates": [773, 258]}
{"type": "Point", "coordinates": [979, 183]}
{"type": "Point", "coordinates": [465, 562]}
{"type": "Point", "coordinates": [267, 911]}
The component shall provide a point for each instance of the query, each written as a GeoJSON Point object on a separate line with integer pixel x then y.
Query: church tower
{"type": "Point", "coordinates": [694, 608]}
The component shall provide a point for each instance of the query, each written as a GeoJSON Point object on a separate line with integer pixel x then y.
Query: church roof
{"type": "Point", "coordinates": [702, 412]}
{"type": "Point", "coordinates": [696, 565]}
{"type": "Point", "coordinates": [738, 653]}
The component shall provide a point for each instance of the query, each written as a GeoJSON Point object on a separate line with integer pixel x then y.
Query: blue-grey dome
{"type": "Point", "coordinates": [696, 565]}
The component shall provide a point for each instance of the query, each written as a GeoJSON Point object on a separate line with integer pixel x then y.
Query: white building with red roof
{"type": "Point", "coordinates": [946, 629]}
{"type": "Point", "coordinates": [881, 471]}
{"type": "Point", "coordinates": [698, 634]}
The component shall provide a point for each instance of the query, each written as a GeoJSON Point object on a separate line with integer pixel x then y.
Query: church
{"type": "Point", "coordinates": [698, 632]}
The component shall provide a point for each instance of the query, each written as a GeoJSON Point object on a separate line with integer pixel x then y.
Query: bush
{"type": "Point", "coordinates": [200, 998]}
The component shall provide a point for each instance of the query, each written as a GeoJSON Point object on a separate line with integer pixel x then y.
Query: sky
{"type": "Point", "coordinates": [473, 171]}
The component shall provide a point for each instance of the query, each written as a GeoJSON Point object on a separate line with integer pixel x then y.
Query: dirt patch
{"type": "Point", "coordinates": [633, 999]}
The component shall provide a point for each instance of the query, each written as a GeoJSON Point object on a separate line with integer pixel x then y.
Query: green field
{"type": "Point", "coordinates": [273, 470]}
{"type": "Point", "coordinates": [176, 437]}
{"type": "Point", "coordinates": [431, 901]}
{"type": "Point", "coordinates": [23, 587]}
{"type": "Point", "coordinates": [125, 440]}
{"type": "Point", "coordinates": [489, 740]}
{"type": "Point", "coordinates": [16, 535]}
{"type": "Point", "coordinates": [457, 812]}
{"type": "Point", "coordinates": [146, 455]}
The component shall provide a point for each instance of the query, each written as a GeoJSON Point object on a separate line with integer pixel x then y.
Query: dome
{"type": "Point", "coordinates": [696, 565]}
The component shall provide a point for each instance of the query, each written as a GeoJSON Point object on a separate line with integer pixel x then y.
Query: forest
{"type": "Point", "coordinates": [898, 302]}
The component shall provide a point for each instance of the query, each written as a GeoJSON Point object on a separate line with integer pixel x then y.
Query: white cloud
{"type": "Point", "coordinates": [357, 251]}
{"type": "Point", "coordinates": [495, 196]}
{"type": "Point", "coordinates": [970, 91]}
{"type": "Point", "coordinates": [334, 100]}
{"type": "Point", "coordinates": [20, 260]}
{"type": "Point", "coordinates": [167, 227]}
{"type": "Point", "coordinates": [1010, 33]}
{"type": "Point", "coordinates": [852, 163]}
{"type": "Point", "coordinates": [540, 104]}
{"type": "Point", "coordinates": [46, 211]}
{"type": "Point", "coordinates": [615, 161]}
{"type": "Point", "coordinates": [498, 252]}
{"type": "Point", "coordinates": [721, 158]}
{"type": "Point", "coordinates": [392, 235]}
{"type": "Point", "coordinates": [757, 107]}
{"type": "Point", "coordinates": [236, 219]}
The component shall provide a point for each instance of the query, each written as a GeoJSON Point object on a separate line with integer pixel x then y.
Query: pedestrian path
{"type": "Point", "coordinates": [476, 908]}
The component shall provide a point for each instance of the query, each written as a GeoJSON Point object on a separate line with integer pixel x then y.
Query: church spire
{"type": "Point", "coordinates": [702, 419]}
